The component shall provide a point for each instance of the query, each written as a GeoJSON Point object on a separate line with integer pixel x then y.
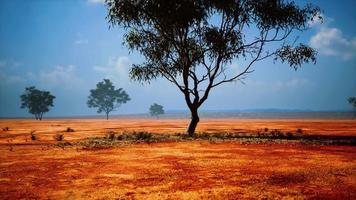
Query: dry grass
{"type": "Point", "coordinates": [173, 170]}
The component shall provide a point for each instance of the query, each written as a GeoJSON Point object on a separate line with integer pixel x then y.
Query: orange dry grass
{"type": "Point", "coordinates": [182, 170]}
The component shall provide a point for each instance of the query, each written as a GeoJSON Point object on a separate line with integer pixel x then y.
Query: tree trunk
{"type": "Point", "coordinates": [107, 116]}
{"type": "Point", "coordinates": [193, 122]}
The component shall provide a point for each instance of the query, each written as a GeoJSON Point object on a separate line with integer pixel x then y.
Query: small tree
{"type": "Point", "coordinates": [192, 43]}
{"type": "Point", "coordinates": [106, 98]}
{"type": "Point", "coordinates": [156, 110]}
{"type": "Point", "coordinates": [36, 101]}
{"type": "Point", "coordinates": [352, 101]}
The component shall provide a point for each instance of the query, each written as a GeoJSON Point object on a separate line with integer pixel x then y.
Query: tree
{"type": "Point", "coordinates": [106, 98]}
{"type": "Point", "coordinates": [352, 101]}
{"type": "Point", "coordinates": [156, 110]}
{"type": "Point", "coordinates": [192, 43]}
{"type": "Point", "coordinates": [36, 101]}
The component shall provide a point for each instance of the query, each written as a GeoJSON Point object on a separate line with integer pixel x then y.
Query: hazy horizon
{"type": "Point", "coordinates": [272, 113]}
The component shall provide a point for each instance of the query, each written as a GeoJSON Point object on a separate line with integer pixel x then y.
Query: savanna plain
{"type": "Point", "coordinates": [98, 159]}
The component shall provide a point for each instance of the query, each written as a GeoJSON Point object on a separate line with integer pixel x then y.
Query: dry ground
{"type": "Point", "coordinates": [177, 170]}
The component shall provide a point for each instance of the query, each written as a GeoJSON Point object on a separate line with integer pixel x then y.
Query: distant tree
{"type": "Point", "coordinates": [352, 101]}
{"type": "Point", "coordinates": [156, 110]}
{"type": "Point", "coordinates": [106, 98]}
{"type": "Point", "coordinates": [36, 101]}
{"type": "Point", "coordinates": [192, 43]}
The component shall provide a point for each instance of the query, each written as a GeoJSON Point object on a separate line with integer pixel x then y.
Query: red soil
{"type": "Point", "coordinates": [179, 170]}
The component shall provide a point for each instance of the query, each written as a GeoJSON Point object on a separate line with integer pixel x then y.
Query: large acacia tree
{"type": "Point", "coordinates": [192, 43]}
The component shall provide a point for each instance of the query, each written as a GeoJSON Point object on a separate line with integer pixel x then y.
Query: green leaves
{"type": "Point", "coordinates": [296, 56]}
{"type": "Point", "coordinates": [36, 101]}
{"type": "Point", "coordinates": [156, 110]}
{"type": "Point", "coordinates": [106, 98]}
{"type": "Point", "coordinates": [281, 14]}
{"type": "Point", "coordinates": [186, 34]}
{"type": "Point", "coordinates": [352, 101]}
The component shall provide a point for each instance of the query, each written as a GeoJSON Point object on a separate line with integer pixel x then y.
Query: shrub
{"type": "Point", "coordinates": [277, 134]}
{"type": "Point", "coordinates": [266, 129]}
{"type": "Point", "coordinates": [212, 140]}
{"type": "Point", "coordinates": [258, 134]}
{"type": "Point", "coordinates": [204, 135]}
{"type": "Point", "coordinates": [97, 143]}
{"type": "Point", "coordinates": [120, 137]}
{"type": "Point", "coordinates": [6, 129]}
{"type": "Point", "coordinates": [33, 135]}
{"type": "Point", "coordinates": [142, 135]}
{"type": "Point", "coordinates": [111, 135]}
{"type": "Point", "coordinates": [69, 129]}
{"type": "Point", "coordinates": [289, 135]}
{"type": "Point", "coordinates": [59, 137]}
{"type": "Point", "coordinates": [299, 131]}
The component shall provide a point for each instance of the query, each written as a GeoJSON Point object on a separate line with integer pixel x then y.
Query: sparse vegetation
{"type": "Point", "coordinates": [97, 143]}
{"type": "Point", "coordinates": [289, 135]}
{"type": "Point", "coordinates": [69, 130]}
{"type": "Point", "coordinates": [142, 136]}
{"type": "Point", "coordinates": [6, 129]}
{"type": "Point", "coordinates": [59, 137]}
{"type": "Point", "coordinates": [275, 136]}
{"type": "Point", "coordinates": [33, 136]}
{"type": "Point", "coordinates": [299, 131]}
{"type": "Point", "coordinates": [111, 135]}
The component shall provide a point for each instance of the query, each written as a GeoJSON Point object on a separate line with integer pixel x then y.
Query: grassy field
{"type": "Point", "coordinates": [185, 169]}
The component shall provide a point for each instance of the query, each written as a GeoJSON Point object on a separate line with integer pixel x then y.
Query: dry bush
{"type": "Point", "coordinates": [299, 131]}
{"type": "Point", "coordinates": [110, 135]}
{"type": "Point", "coordinates": [289, 135]}
{"type": "Point", "coordinates": [33, 136]}
{"type": "Point", "coordinates": [69, 130]}
{"type": "Point", "coordinates": [59, 137]}
{"type": "Point", "coordinates": [142, 135]}
{"type": "Point", "coordinates": [97, 143]}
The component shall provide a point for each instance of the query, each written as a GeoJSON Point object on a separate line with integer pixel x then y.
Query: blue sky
{"type": "Point", "coordinates": [66, 47]}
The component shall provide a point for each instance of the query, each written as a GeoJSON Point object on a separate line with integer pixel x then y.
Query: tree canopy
{"type": "Point", "coordinates": [156, 110]}
{"type": "Point", "coordinates": [192, 43]}
{"type": "Point", "coordinates": [106, 98]}
{"type": "Point", "coordinates": [36, 101]}
{"type": "Point", "coordinates": [352, 101]}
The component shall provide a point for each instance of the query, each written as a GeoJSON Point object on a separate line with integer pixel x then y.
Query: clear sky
{"type": "Point", "coordinates": [66, 47]}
